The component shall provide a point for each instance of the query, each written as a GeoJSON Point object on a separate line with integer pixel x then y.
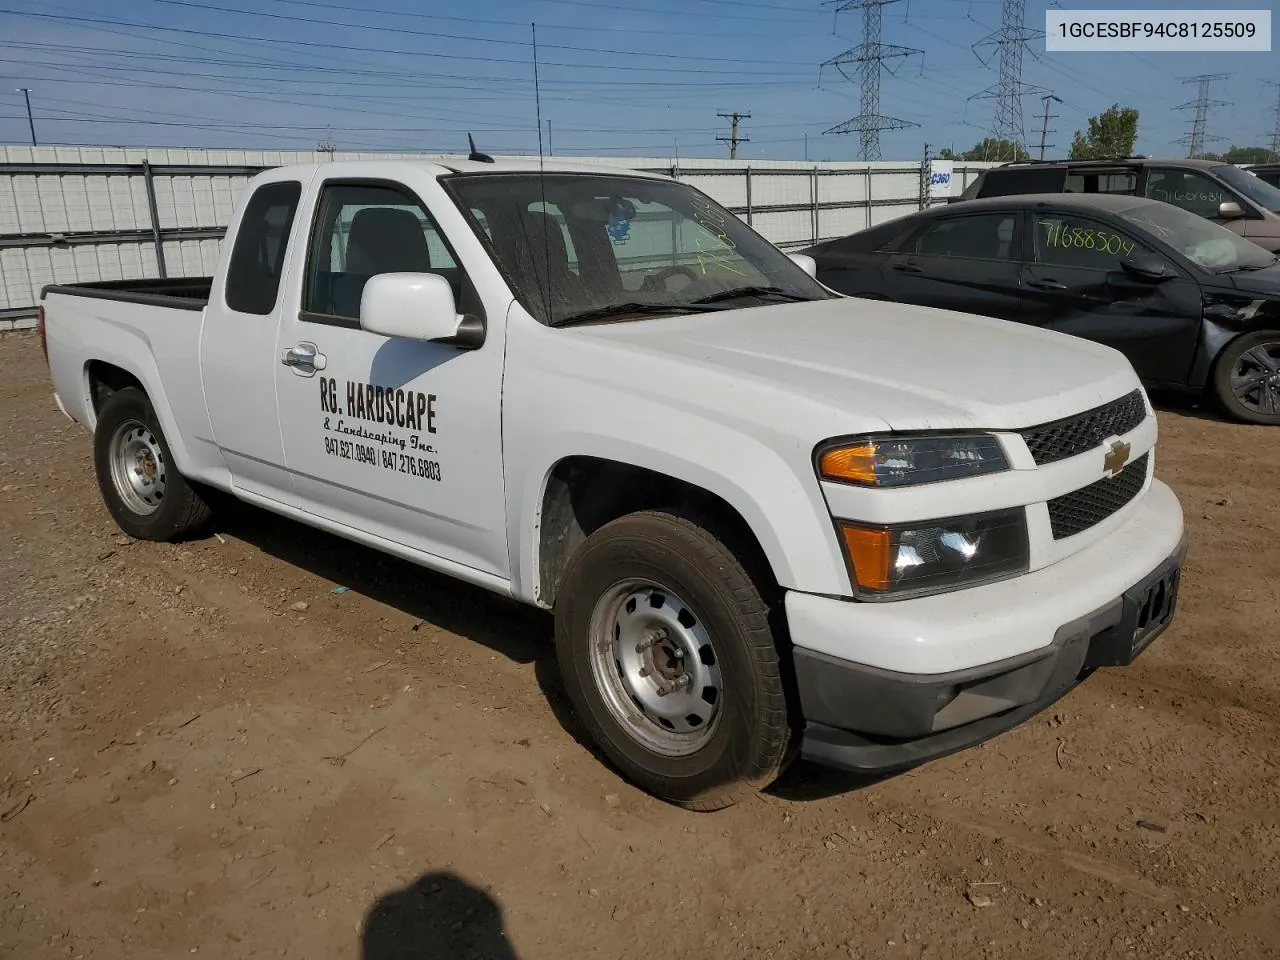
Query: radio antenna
{"type": "Point", "coordinates": [542, 176]}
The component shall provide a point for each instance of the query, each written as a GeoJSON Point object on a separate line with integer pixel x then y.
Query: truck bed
{"type": "Point", "coordinates": [182, 293]}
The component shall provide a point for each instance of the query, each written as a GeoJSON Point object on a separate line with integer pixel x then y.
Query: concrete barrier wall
{"type": "Point", "coordinates": [78, 214]}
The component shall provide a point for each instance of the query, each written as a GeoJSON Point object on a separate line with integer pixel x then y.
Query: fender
{"type": "Point", "coordinates": [789, 518]}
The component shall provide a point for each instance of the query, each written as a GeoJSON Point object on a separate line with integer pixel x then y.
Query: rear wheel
{"type": "Point", "coordinates": [668, 658]}
{"type": "Point", "coordinates": [145, 494]}
{"type": "Point", "coordinates": [1246, 378]}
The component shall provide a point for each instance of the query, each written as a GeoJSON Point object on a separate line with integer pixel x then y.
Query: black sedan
{"type": "Point", "coordinates": [1193, 306]}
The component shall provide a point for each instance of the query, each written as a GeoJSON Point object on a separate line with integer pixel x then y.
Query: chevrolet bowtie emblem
{"type": "Point", "coordinates": [1117, 456]}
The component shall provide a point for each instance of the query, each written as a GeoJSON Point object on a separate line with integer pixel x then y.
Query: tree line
{"type": "Point", "coordinates": [1111, 133]}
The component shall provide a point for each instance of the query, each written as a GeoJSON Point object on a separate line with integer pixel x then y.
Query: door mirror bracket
{"type": "Point", "coordinates": [1147, 266]}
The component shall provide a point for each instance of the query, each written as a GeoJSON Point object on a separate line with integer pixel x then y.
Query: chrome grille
{"type": "Point", "coordinates": [1081, 509]}
{"type": "Point", "coordinates": [1060, 439]}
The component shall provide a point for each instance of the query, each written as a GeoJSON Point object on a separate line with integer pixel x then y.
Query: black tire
{"type": "Point", "coordinates": [1250, 407]}
{"type": "Point", "coordinates": [749, 741]}
{"type": "Point", "coordinates": [168, 508]}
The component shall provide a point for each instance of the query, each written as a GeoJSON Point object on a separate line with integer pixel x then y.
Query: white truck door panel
{"type": "Point", "coordinates": [397, 437]}
{"type": "Point", "coordinates": [238, 356]}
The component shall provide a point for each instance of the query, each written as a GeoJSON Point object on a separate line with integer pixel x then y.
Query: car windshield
{"type": "Point", "coordinates": [577, 247]}
{"type": "Point", "coordinates": [1259, 191]}
{"type": "Point", "coordinates": [1205, 244]}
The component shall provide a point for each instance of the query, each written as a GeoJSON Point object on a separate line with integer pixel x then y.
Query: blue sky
{"type": "Point", "coordinates": [618, 77]}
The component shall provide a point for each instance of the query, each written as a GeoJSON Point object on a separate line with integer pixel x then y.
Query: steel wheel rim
{"type": "Point", "coordinates": [137, 467]}
{"type": "Point", "coordinates": [1255, 378]}
{"type": "Point", "coordinates": [646, 639]}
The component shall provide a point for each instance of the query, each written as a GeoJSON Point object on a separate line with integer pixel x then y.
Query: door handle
{"type": "Point", "coordinates": [1046, 284]}
{"type": "Point", "coordinates": [907, 267]}
{"type": "Point", "coordinates": [305, 358]}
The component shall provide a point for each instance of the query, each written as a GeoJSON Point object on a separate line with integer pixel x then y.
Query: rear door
{"type": "Point", "coordinates": [965, 262]}
{"type": "Point", "coordinates": [1074, 283]}
{"type": "Point", "coordinates": [238, 358]}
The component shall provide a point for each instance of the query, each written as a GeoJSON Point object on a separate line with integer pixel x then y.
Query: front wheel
{"type": "Point", "coordinates": [147, 497]}
{"type": "Point", "coordinates": [668, 658]}
{"type": "Point", "coordinates": [1246, 378]}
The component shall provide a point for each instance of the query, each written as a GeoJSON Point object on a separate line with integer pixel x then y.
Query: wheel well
{"type": "Point", "coordinates": [585, 493]}
{"type": "Point", "coordinates": [105, 379]}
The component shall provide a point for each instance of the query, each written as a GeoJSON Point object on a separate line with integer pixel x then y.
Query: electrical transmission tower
{"type": "Point", "coordinates": [872, 57]}
{"type": "Point", "coordinates": [733, 139]}
{"type": "Point", "coordinates": [1274, 135]}
{"type": "Point", "coordinates": [1196, 138]}
{"type": "Point", "coordinates": [1008, 42]}
{"type": "Point", "coordinates": [1044, 129]}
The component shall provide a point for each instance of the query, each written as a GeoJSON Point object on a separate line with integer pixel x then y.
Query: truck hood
{"type": "Point", "coordinates": [909, 367]}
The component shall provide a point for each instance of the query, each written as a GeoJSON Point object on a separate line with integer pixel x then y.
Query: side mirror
{"type": "Point", "coordinates": [1147, 266]}
{"type": "Point", "coordinates": [416, 306]}
{"type": "Point", "coordinates": [805, 263]}
{"type": "Point", "coordinates": [1229, 210]}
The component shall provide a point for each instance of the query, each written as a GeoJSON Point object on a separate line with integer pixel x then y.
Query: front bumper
{"type": "Point", "coordinates": [871, 719]}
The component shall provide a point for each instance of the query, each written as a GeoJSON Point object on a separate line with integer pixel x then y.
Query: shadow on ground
{"type": "Point", "coordinates": [513, 630]}
{"type": "Point", "coordinates": [437, 917]}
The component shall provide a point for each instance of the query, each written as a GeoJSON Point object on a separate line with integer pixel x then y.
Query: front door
{"type": "Point", "coordinates": [966, 263]}
{"type": "Point", "coordinates": [1075, 284]}
{"type": "Point", "coordinates": [1197, 193]}
{"type": "Point", "coordinates": [398, 438]}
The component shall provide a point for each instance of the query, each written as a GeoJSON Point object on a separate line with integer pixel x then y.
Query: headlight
{"type": "Point", "coordinates": [935, 555]}
{"type": "Point", "coordinates": [903, 461]}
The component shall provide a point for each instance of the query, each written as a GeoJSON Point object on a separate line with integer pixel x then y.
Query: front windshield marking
{"type": "Point", "coordinates": [1207, 245]}
{"type": "Point", "coordinates": [1252, 186]}
{"type": "Point", "coordinates": [598, 241]}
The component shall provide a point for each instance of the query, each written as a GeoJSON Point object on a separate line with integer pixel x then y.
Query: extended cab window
{"type": "Point", "coordinates": [988, 236]}
{"type": "Point", "coordinates": [257, 259]}
{"type": "Point", "coordinates": [1065, 240]}
{"type": "Point", "coordinates": [362, 230]}
{"type": "Point", "coordinates": [1189, 190]}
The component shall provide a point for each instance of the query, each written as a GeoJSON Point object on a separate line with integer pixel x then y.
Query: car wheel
{"type": "Point", "coordinates": [1246, 379]}
{"type": "Point", "coordinates": [669, 660]}
{"type": "Point", "coordinates": [147, 497]}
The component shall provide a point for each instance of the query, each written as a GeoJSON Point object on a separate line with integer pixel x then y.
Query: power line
{"type": "Point", "coordinates": [1044, 129]}
{"type": "Point", "coordinates": [1008, 42]}
{"type": "Point", "coordinates": [1196, 138]}
{"type": "Point", "coordinates": [872, 58]}
{"type": "Point", "coordinates": [733, 139]}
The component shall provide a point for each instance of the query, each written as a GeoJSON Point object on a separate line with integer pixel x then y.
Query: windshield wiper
{"type": "Point", "coordinates": [622, 309]}
{"type": "Point", "coordinates": [750, 292]}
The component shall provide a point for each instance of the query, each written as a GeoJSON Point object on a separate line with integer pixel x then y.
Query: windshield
{"type": "Point", "coordinates": [602, 246]}
{"type": "Point", "coordinates": [1259, 191]}
{"type": "Point", "coordinates": [1205, 244]}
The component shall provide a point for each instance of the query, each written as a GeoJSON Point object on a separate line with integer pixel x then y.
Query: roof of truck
{"type": "Point", "coordinates": [443, 166]}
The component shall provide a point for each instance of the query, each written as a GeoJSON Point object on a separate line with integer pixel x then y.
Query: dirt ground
{"type": "Point", "coordinates": [205, 749]}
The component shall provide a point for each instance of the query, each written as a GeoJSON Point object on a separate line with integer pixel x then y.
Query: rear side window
{"type": "Point", "coordinates": [1008, 183]}
{"type": "Point", "coordinates": [1123, 182]}
{"type": "Point", "coordinates": [257, 260]}
{"type": "Point", "coordinates": [988, 236]}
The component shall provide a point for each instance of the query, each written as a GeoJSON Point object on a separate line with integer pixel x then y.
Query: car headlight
{"type": "Point", "coordinates": [905, 461]}
{"type": "Point", "coordinates": [932, 556]}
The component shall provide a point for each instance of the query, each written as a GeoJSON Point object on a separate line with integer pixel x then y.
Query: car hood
{"type": "Point", "coordinates": [1265, 282]}
{"type": "Point", "coordinates": [907, 367]}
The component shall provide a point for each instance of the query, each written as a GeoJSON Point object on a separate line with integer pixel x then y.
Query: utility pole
{"type": "Point", "coordinates": [733, 139]}
{"type": "Point", "coordinates": [871, 56]}
{"type": "Point", "coordinates": [550, 153]}
{"type": "Point", "coordinates": [1196, 138]}
{"type": "Point", "coordinates": [1044, 129]}
{"type": "Point", "coordinates": [1009, 42]}
{"type": "Point", "coordinates": [26, 93]}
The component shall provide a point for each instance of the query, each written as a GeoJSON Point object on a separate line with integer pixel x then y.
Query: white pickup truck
{"type": "Point", "coordinates": [771, 521]}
